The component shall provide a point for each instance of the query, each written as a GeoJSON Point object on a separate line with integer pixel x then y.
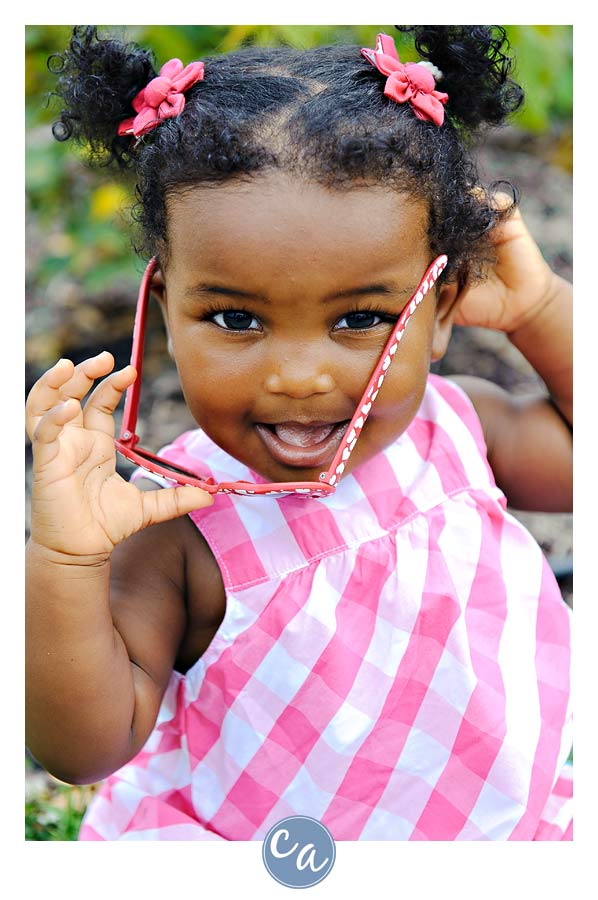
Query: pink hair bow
{"type": "Point", "coordinates": [407, 82]}
{"type": "Point", "coordinates": [163, 97]}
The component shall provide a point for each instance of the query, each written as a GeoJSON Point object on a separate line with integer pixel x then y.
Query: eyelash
{"type": "Point", "coordinates": [227, 309]}
{"type": "Point", "coordinates": [385, 318]}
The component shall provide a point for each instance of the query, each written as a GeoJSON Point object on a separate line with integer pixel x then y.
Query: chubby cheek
{"type": "Point", "coordinates": [214, 402]}
{"type": "Point", "coordinates": [391, 418]}
{"type": "Point", "coordinates": [399, 398]}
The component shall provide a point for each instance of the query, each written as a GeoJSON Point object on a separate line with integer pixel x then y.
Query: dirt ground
{"type": "Point", "coordinates": [81, 326]}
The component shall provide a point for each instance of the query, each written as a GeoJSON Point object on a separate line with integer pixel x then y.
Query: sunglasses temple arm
{"type": "Point", "coordinates": [356, 424]}
{"type": "Point", "coordinates": [129, 419]}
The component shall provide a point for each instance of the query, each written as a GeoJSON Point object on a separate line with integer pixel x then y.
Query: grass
{"type": "Point", "coordinates": [53, 810]}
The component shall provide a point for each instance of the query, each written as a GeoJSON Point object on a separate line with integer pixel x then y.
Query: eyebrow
{"type": "Point", "coordinates": [380, 289]}
{"type": "Point", "coordinates": [386, 290]}
{"type": "Point", "coordinates": [223, 291]}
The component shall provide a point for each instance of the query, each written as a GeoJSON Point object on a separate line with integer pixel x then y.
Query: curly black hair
{"type": "Point", "coordinates": [320, 113]}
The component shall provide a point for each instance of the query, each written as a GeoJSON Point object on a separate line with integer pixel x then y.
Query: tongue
{"type": "Point", "coordinates": [302, 435]}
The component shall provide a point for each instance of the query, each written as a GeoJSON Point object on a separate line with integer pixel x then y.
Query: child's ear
{"type": "Point", "coordinates": [449, 296]}
{"type": "Point", "coordinates": [158, 289]}
{"type": "Point", "coordinates": [158, 286]}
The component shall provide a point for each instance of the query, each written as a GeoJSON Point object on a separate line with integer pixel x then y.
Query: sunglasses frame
{"type": "Point", "coordinates": [127, 442]}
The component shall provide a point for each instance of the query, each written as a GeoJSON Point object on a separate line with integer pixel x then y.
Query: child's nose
{"type": "Point", "coordinates": [298, 377]}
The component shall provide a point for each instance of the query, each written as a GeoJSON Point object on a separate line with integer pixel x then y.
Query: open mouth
{"type": "Point", "coordinates": [302, 446]}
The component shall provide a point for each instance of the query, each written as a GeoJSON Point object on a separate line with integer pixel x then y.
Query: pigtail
{"type": "Point", "coordinates": [475, 70]}
{"type": "Point", "coordinates": [97, 82]}
{"type": "Point", "coordinates": [475, 65]}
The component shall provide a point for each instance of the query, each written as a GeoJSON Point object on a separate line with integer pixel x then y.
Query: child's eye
{"type": "Point", "coordinates": [236, 320]}
{"type": "Point", "coordinates": [361, 319]}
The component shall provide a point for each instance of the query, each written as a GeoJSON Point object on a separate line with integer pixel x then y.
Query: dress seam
{"type": "Point", "coordinates": [345, 546]}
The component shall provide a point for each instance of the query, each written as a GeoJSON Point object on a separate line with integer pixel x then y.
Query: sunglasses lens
{"type": "Point", "coordinates": [163, 465]}
{"type": "Point", "coordinates": [160, 466]}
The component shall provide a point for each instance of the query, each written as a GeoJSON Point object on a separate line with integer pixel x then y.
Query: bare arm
{"type": "Point", "coordinates": [105, 608]}
{"type": "Point", "coordinates": [529, 446]}
{"type": "Point", "coordinates": [546, 341]}
{"type": "Point", "coordinates": [100, 651]}
{"type": "Point", "coordinates": [529, 438]}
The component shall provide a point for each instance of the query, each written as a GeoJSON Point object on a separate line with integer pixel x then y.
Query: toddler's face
{"type": "Point", "coordinates": [279, 297]}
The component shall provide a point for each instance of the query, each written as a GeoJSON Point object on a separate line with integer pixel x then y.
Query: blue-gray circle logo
{"type": "Point", "coordinates": [298, 851]}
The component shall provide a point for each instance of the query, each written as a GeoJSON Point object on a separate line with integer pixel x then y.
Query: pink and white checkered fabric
{"type": "Point", "coordinates": [393, 661]}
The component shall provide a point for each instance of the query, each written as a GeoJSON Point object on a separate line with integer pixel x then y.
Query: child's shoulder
{"type": "Point", "coordinates": [448, 401]}
{"type": "Point", "coordinates": [528, 444]}
{"type": "Point", "coordinates": [452, 389]}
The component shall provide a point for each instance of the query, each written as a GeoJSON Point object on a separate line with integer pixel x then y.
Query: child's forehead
{"type": "Point", "coordinates": [291, 221]}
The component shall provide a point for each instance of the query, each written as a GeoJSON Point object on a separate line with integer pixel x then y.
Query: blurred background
{"type": "Point", "coordinates": [82, 274]}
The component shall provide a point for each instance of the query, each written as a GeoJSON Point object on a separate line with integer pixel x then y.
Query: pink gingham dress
{"type": "Point", "coordinates": [393, 661]}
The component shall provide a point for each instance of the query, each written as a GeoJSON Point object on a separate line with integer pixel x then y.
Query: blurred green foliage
{"type": "Point", "coordinates": [56, 819]}
{"type": "Point", "coordinates": [76, 225]}
{"type": "Point", "coordinates": [53, 810]}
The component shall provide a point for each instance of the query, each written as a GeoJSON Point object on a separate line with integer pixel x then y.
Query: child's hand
{"type": "Point", "coordinates": [519, 285]}
{"type": "Point", "coordinates": [80, 506]}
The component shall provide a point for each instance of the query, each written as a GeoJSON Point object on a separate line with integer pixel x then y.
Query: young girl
{"type": "Point", "coordinates": [389, 654]}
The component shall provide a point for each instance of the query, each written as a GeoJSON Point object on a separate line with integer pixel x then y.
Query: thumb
{"type": "Point", "coordinates": [170, 503]}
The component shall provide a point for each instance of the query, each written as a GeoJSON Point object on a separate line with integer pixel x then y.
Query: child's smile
{"type": "Point", "coordinates": [280, 295]}
{"type": "Point", "coordinates": [302, 444]}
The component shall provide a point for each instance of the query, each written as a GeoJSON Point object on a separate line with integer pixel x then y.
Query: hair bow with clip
{"type": "Point", "coordinates": [163, 97]}
{"type": "Point", "coordinates": [411, 83]}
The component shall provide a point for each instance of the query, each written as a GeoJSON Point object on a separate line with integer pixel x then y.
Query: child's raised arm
{"type": "Point", "coordinates": [90, 704]}
{"type": "Point", "coordinates": [529, 438]}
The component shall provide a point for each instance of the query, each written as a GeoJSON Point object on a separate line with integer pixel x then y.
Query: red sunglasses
{"type": "Point", "coordinates": [128, 440]}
